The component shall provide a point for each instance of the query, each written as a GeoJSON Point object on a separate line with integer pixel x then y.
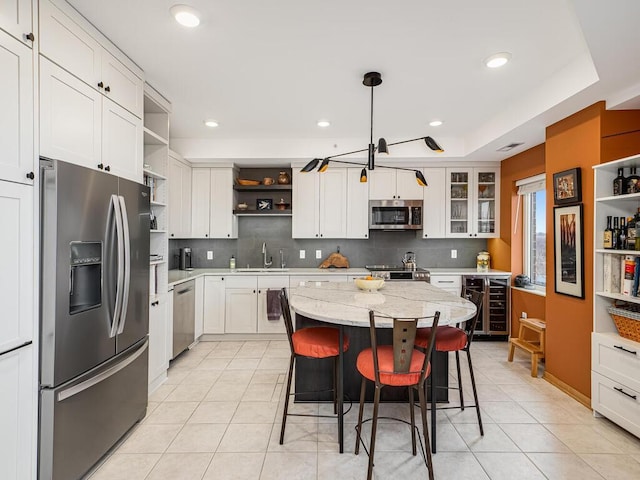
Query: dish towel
{"type": "Point", "coordinates": [274, 311]}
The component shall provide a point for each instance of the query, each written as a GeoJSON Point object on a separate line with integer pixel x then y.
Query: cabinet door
{"type": "Point", "coordinates": [70, 117]}
{"type": "Point", "coordinates": [200, 202]}
{"type": "Point", "coordinates": [17, 413]}
{"type": "Point", "coordinates": [121, 85]}
{"type": "Point", "coordinates": [199, 309]}
{"type": "Point", "coordinates": [458, 207]}
{"type": "Point", "coordinates": [357, 205]}
{"type": "Point", "coordinates": [16, 265]}
{"type": "Point", "coordinates": [241, 310]}
{"type": "Point", "coordinates": [433, 216]}
{"type": "Point", "coordinates": [333, 203]}
{"type": "Point", "coordinates": [121, 141]}
{"type": "Point", "coordinates": [15, 18]}
{"type": "Point", "coordinates": [16, 114]}
{"type": "Point", "coordinates": [486, 195]}
{"type": "Point", "coordinates": [274, 283]}
{"type": "Point", "coordinates": [214, 305]}
{"type": "Point", "coordinates": [185, 225]}
{"type": "Point", "coordinates": [382, 184]}
{"type": "Point", "coordinates": [66, 43]}
{"type": "Point", "coordinates": [407, 187]}
{"type": "Point", "coordinates": [222, 222]}
{"type": "Point", "coordinates": [158, 354]}
{"type": "Point", "coordinates": [179, 183]}
{"type": "Point", "coordinates": [304, 205]}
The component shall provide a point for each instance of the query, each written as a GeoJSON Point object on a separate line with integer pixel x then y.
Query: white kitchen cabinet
{"type": "Point", "coordinates": [274, 283]}
{"type": "Point", "coordinates": [200, 202]}
{"type": "Point", "coordinates": [241, 310]}
{"type": "Point", "coordinates": [214, 305]}
{"type": "Point", "coordinates": [212, 201]}
{"type": "Point", "coordinates": [17, 413]}
{"type": "Point", "coordinates": [179, 183]}
{"type": "Point", "coordinates": [159, 355]}
{"type": "Point", "coordinates": [15, 19]}
{"type": "Point", "coordinates": [319, 204]}
{"type": "Point", "coordinates": [70, 41]}
{"type": "Point", "coordinates": [387, 184]}
{"type": "Point", "coordinates": [122, 148]}
{"type": "Point", "coordinates": [433, 215]}
{"type": "Point", "coordinates": [16, 114]}
{"type": "Point", "coordinates": [450, 283]}
{"type": "Point", "coordinates": [473, 202]}
{"type": "Point", "coordinates": [199, 309]}
{"type": "Point", "coordinates": [16, 265]}
{"type": "Point", "coordinates": [357, 205]}
{"type": "Point", "coordinates": [301, 280]}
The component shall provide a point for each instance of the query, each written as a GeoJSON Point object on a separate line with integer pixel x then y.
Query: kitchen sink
{"type": "Point", "coordinates": [261, 270]}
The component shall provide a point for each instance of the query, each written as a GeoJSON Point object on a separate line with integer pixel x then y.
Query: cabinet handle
{"type": "Point", "coordinates": [316, 234]}
{"type": "Point", "coordinates": [445, 281]}
{"type": "Point", "coordinates": [254, 291]}
{"type": "Point", "coordinates": [107, 168]}
{"type": "Point", "coordinates": [322, 235]}
{"type": "Point", "coordinates": [107, 88]}
{"type": "Point", "coordinates": [625, 350]}
{"type": "Point", "coordinates": [101, 166]}
{"type": "Point", "coordinates": [365, 235]}
{"type": "Point", "coordinates": [30, 176]}
{"type": "Point", "coordinates": [259, 291]}
{"type": "Point", "coordinates": [172, 234]}
{"type": "Point", "coordinates": [153, 304]}
{"type": "Point", "coordinates": [617, 389]}
{"type": "Point", "coordinates": [30, 36]}
{"type": "Point", "coordinates": [228, 234]}
{"type": "Point", "coordinates": [100, 84]}
{"type": "Point", "coordinates": [206, 235]}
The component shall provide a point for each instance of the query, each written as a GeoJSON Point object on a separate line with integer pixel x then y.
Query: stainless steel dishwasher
{"type": "Point", "coordinates": [184, 313]}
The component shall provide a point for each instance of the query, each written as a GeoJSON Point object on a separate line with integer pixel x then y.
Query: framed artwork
{"type": "Point", "coordinates": [264, 204]}
{"type": "Point", "coordinates": [566, 187]}
{"type": "Point", "coordinates": [568, 250]}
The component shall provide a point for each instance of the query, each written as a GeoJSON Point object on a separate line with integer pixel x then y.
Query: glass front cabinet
{"type": "Point", "coordinates": [473, 202]}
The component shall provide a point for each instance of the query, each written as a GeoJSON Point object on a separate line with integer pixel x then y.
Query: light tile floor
{"type": "Point", "coordinates": [218, 417]}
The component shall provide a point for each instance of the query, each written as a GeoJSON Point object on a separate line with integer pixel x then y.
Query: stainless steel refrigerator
{"type": "Point", "coordinates": [94, 317]}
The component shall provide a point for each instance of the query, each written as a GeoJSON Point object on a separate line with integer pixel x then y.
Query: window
{"type": "Point", "coordinates": [533, 196]}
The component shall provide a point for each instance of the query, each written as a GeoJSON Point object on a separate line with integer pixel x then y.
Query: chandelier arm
{"type": "Point", "coordinates": [397, 168]}
{"type": "Point", "coordinates": [406, 141]}
{"type": "Point", "coordinates": [348, 163]}
{"type": "Point", "coordinates": [348, 153]}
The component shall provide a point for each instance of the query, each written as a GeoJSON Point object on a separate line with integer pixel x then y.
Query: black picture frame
{"type": "Point", "coordinates": [567, 188]}
{"type": "Point", "coordinates": [264, 204]}
{"type": "Point", "coordinates": [568, 250]}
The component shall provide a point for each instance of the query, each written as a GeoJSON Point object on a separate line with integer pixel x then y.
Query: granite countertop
{"type": "Point", "coordinates": [345, 304]}
{"type": "Point", "coordinates": [465, 271]}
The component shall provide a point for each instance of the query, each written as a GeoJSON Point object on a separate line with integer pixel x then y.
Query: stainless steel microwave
{"type": "Point", "coordinates": [395, 214]}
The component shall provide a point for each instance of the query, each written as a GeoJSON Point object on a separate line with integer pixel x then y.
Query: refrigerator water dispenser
{"type": "Point", "coordinates": [85, 278]}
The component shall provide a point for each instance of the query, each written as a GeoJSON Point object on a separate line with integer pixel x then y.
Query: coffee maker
{"type": "Point", "coordinates": [184, 261]}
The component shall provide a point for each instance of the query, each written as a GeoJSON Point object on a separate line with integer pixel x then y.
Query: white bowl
{"type": "Point", "coordinates": [371, 285]}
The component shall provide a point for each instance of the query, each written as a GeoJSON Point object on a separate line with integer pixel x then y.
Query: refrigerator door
{"type": "Point", "coordinates": [82, 419]}
{"type": "Point", "coordinates": [134, 322]}
{"type": "Point", "coordinates": [78, 280]}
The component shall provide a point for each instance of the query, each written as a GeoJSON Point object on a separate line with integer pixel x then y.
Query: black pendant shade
{"type": "Point", "coordinates": [373, 79]}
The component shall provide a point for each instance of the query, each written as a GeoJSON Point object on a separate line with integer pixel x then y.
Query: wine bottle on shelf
{"type": "Point", "coordinates": [633, 182]}
{"type": "Point", "coordinates": [615, 234]}
{"type": "Point", "coordinates": [622, 238]}
{"type": "Point", "coordinates": [619, 183]}
{"type": "Point", "coordinates": [608, 233]}
{"type": "Point", "coordinates": [631, 233]}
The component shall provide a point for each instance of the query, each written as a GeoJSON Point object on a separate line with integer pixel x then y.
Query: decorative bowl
{"type": "Point", "coordinates": [369, 283]}
{"type": "Point", "coordinates": [247, 182]}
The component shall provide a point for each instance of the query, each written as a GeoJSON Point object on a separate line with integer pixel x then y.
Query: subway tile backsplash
{"type": "Point", "coordinates": [381, 247]}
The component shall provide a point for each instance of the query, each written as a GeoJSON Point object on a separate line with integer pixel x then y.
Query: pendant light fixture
{"type": "Point", "coordinates": [371, 80]}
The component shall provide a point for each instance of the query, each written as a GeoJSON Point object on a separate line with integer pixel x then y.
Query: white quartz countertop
{"type": "Point", "coordinates": [345, 304]}
{"type": "Point", "coordinates": [179, 276]}
{"type": "Point", "coordinates": [465, 271]}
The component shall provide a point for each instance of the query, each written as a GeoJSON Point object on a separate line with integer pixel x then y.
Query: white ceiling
{"type": "Point", "coordinates": [268, 70]}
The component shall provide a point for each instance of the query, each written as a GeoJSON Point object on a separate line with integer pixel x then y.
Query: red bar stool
{"type": "Point", "coordinates": [310, 342]}
{"type": "Point", "coordinates": [454, 339]}
{"type": "Point", "coordinates": [397, 365]}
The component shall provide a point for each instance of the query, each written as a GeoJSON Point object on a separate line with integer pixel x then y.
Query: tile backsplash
{"type": "Point", "coordinates": [381, 247]}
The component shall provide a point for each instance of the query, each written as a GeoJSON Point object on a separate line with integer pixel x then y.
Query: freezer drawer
{"type": "Point", "coordinates": [82, 419]}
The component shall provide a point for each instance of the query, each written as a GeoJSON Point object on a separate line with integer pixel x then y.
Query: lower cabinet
{"type": "Point", "coordinates": [241, 310]}
{"type": "Point", "coordinates": [214, 305]}
{"type": "Point", "coordinates": [159, 339]}
{"type": "Point", "coordinates": [264, 285]}
{"type": "Point", "coordinates": [450, 283]}
{"type": "Point", "coordinates": [17, 413]}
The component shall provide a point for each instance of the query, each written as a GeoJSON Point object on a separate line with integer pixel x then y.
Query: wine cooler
{"type": "Point", "coordinates": [496, 310]}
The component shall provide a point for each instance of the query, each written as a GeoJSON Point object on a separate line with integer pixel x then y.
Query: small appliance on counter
{"type": "Point", "coordinates": [409, 261]}
{"type": "Point", "coordinates": [184, 262]}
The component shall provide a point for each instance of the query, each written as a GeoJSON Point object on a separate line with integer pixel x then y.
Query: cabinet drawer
{"type": "Point", "coordinates": [616, 358]}
{"type": "Point", "coordinates": [250, 281]}
{"type": "Point", "coordinates": [274, 282]}
{"type": "Point", "coordinates": [300, 280]}
{"type": "Point", "coordinates": [447, 281]}
{"type": "Point", "coordinates": [616, 401]}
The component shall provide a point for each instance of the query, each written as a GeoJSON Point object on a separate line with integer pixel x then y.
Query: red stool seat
{"type": "Point", "coordinates": [385, 364]}
{"type": "Point", "coordinates": [318, 342]}
{"type": "Point", "coordinates": [448, 339]}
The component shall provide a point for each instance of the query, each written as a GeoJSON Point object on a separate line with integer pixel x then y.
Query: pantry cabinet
{"type": "Point", "coordinates": [388, 184]}
{"type": "Point", "coordinates": [16, 113]}
{"type": "Point", "coordinates": [212, 200]}
{"type": "Point", "coordinates": [16, 19]}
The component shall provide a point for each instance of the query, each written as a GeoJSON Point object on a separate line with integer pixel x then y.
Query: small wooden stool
{"type": "Point", "coordinates": [535, 348]}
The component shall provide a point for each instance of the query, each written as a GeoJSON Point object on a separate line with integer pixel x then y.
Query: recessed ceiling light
{"type": "Point", "coordinates": [211, 123]}
{"type": "Point", "coordinates": [497, 60]}
{"type": "Point", "coordinates": [185, 15]}
{"type": "Point", "coordinates": [436, 123]}
{"type": "Point", "coordinates": [323, 123]}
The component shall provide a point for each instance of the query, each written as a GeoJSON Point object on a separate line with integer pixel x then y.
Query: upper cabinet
{"type": "Point", "coordinates": [357, 205]}
{"type": "Point", "coordinates": [16, 114]}
{"type": "Point", "coordinates": [179, 183]}
{"type": "Point", "coordinates": [15, 19]}
{"type": "Point", "coordinates": [433, 215]}
{"type": "Point", "coordinates": [473, 202]}
{"type": "Point", "coordinates": [388, 184]}
{"type": "Point", "coordinates": [212, 202]}
{"type": "Point", "coordinates": [69, 41]}
{"type": "Point", "coordinates": [319, 204]}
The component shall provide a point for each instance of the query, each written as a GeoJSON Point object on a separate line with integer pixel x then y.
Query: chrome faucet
{"type": "Point", "coordinates": [282, 264]}
{"type": "Point", "coordinates": [264, 256]}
